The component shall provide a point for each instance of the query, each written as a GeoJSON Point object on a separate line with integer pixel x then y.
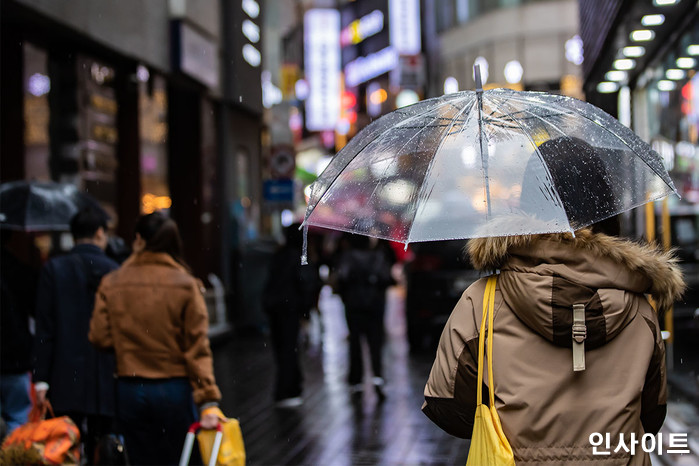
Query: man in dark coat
{"type": "Point", "coordinates": [17, 291]}
{"type": "Point", "coordinates": [77, 378]}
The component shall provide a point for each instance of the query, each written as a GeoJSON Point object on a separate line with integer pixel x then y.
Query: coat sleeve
{"type": "Point", "coordinates": [197, 351]}
{"type": "Point", "coordinates": [45, 318]}
{"type": "Point", "coordinates": [654, 396]}
{"type": "Point", "coordinates": [100, 333]}
{"type": "Point", "coordinates": [450, 393]}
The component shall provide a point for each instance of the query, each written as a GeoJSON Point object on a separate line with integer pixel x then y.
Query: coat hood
{"type": "Point", "coordinates": [542, 276]}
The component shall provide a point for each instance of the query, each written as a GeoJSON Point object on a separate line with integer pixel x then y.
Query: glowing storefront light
{"type": "Point", "coordinates": [624, 64]}
{"type": "Point", "coordinates": [483, 64]}
{"type": "Point", "coordinates": [574, 50]}
{"type": "Point", "coordinates": [251, 31]}
{"type": "Point", "coordinates": [642, 35]}
{"type": "Point", "coordinates": [675, 74]}
{"type": "Point", "coordinates": [252, 55]}
{"type": "Point", "coordinates": [451, 85]}
{"type": "Point", "coordinates": [665, 85]}
{"type": "Point", "coordinates": [633, 51]}
{"type": "Point", "coordinates": [301, 89]}
{"type": "Point", "coordinates": [252, 8]}
{"type": "Point", "coordinates": [322, 63]}
{"type": "Point", "coordinates": [686, 62]}
{"type": "Point", "coordinates": [616, 75]}
{"type": "Point", "coordinates": [693, 49]}
{"type": "Point", "coordinates": [406, 97]}
{"type": "Point", "coordinates": [653, 20]}
{"type": "Point", "coordinates": [664, 2]}
{"type": "Point", "coordinates": [605, 87]}
{"type": "Point", "coordinates": [142, 73]}
{"type": "Point", "coordinates": [38, 84]}
{"type": "Point", "coordinates": [513, 72]}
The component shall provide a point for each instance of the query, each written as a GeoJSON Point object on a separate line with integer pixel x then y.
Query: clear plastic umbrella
{"type": "Point", "coordinates": [486, 163]}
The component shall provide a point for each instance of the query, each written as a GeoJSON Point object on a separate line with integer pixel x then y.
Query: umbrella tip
{"type": "Point", "coordinates": [477, 77]}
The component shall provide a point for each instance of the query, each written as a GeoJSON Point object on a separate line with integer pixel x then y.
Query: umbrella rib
{"type": "Point", "coordinates": [429, 168]}
{"type": "Point", "coordinates": [553, 185]}
{"type": "Point", "coordinates": [659, 174]}
{"type": "Point", "coordinates": [308, 214]}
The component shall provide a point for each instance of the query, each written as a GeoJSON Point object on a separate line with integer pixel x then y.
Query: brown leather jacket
{"type": "Point", "coordinates": [152, 313]}
{"type": "Point", "coordinates": [547, 410]}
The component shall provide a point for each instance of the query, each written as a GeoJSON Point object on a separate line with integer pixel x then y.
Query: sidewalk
{"type": "Point", "coordinates": [331, 429]}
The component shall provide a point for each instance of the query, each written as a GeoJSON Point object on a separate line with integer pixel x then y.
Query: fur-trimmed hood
{"type": "Point", "coordinates": [632, 266]}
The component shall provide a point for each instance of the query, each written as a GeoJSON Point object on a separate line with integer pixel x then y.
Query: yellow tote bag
{"type": "Point", "coordinates": [232, 451]}
{"type": "Point", "coordinates": [489, 446]}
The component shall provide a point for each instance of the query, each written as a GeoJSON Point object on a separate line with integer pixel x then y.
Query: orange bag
{"type": "Point", "coordinates": [43, 441]}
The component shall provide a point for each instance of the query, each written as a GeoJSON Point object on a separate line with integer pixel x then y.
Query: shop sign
{"type": "Point", "coordinates": [404, 26]}
{"type": "Point", "coordinates": [410, 72]}
{"type": "Point", "coordinates": [322, 66]}
{"type": "Point", "coordinates": [281, 190]}
{"type": "Point", "coordinates": [375, 64]}
{"type": "Point", "coordinates": [195, 54]}
{"type": "Point", "coordinates": [361, 28]}
{"type": "Point", "coordinates": [282, 162]}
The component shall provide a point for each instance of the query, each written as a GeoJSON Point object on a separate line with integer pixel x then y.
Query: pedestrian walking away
{"type": "Point", "coordinates": [78, 379]}
{"type": "Point", "coordinates": [151, 313]}
{"type": "Point", "coordinates": [577, 348]}
{"type": "Point", "coordinates": [289, 295]}
{"type": "Point", "coordinates": [363, 275]}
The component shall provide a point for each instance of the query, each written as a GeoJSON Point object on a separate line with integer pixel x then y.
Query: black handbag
{"type": "Point", "coordinates": [110, 450]}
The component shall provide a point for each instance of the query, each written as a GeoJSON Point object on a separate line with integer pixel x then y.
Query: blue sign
{"type": "Point", "coordinates": [281, 190]}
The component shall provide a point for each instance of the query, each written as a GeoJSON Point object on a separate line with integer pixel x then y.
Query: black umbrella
{"type": "Point", "coordinates": [41, 206]}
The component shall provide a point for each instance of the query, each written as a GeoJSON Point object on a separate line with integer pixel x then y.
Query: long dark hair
{"type": "Point", "coordinates": [161, 234]}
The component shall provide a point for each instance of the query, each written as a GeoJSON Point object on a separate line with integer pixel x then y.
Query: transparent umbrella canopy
{"type": "Point", "coordinates": [486, 163]}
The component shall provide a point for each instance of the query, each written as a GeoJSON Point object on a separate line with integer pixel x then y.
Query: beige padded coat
{"type": "Point", "coordinates": [548, 410]}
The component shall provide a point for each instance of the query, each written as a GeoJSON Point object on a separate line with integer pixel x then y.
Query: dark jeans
{"type": "Point", "coordinates": [284, 329]}
{"type": "Point", "coordinates": [369, 324]}
{"type": "Point", "coordinates": [92, 428]}
{"type": "Point", "coordinates": [154, 416]}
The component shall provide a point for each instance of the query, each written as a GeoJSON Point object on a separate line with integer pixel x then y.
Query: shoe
{"type": "Point", "coordinates": [289, 402]}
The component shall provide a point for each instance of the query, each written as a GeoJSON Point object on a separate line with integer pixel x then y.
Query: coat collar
{"type": "Point", "coordinates": [658, 272]}
{"type": "Point", "coordinates": [153, 258]}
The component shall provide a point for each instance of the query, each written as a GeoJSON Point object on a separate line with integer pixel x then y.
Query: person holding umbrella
{"type": "Point", "coordinates": [577, 348]}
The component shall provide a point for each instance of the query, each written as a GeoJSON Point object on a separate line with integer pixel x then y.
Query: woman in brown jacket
{"type": "Point", "coordinates": [152, 314]}
{"type": "Point", "coordinates": [578, 356]}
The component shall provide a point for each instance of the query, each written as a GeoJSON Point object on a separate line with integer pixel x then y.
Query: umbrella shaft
{"type": "Point", "coordinates": [484, 154]}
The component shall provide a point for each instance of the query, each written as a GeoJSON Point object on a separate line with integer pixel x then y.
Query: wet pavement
{"type": "Point", "coordinates": [333, 428]}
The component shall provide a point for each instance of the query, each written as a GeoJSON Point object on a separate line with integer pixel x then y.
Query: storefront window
{"type": "Point", "coordinates": [155, 190]}
{"type": "Point", "coordinates": [97, 130]}
{"type": "Point", "coordinates": [37, 86]}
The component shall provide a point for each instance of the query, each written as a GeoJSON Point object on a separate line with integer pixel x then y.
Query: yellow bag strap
{"type": "Point", "coordinates": [488, 313]}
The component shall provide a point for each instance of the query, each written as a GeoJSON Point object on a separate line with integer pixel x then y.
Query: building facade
{"type": "Point", "coordinates": [145, 106]}
{"type": "Point", "coordinates": [521, 44]}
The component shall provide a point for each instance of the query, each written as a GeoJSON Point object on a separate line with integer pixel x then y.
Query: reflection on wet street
{"type": "Point", "coordinates": [332, 427]}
